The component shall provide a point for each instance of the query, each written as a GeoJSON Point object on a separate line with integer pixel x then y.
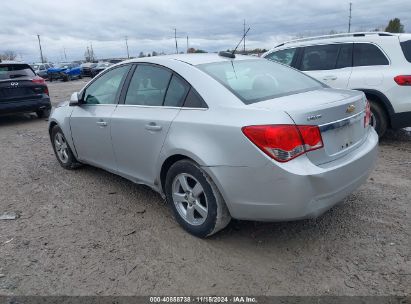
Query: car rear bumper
{"type": "Point", "coordinates": [295, 190]}
{"type": "Point", "coordinates": [30, 105]}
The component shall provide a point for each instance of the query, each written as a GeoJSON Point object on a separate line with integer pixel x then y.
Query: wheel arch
{"type": "Point", "coordinates": [166, 165]}
{"type": "Point", "coordinates": [382, 100]}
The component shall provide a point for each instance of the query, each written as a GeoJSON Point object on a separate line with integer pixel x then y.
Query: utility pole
{"type": "Point", "coordinates": [187, 44]}
{"type": "Point", "coordinates": [349, 20]}
{"type": "Point", "coordinates": [41, 52]}
{"type": "Point", "coordinates": [92, 51]}
{"type": "Point", "coordinates": [88, 54]}
{"type": "Point", "coordinates": [128, 54]}
{"type": "Point", "coordinates": [175, 38]}
{"type": "Point", "coordinates": [65, 55]}
{"type": "Point", "coordinates": [244, 37]}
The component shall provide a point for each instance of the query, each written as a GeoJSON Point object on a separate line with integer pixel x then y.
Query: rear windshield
{"type": "Point", "coordinates": [257, 80]}
{"type": "Point", "coordinates": [406, 48]}
{"type": "Point", "coordinates": [10, 71]}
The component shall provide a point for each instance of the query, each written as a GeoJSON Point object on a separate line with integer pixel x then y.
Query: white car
{"type": "Point", "coordinates": [377, 63]}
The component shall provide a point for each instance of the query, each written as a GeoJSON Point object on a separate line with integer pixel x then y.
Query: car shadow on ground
{"type": "Point", "coordinates": [17, 119]}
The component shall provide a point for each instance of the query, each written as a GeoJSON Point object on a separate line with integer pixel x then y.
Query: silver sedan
{"type": "Point", "coordinates": [220, 137]}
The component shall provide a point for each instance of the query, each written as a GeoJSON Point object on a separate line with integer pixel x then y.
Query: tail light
{"type": "Point", "coordinates": [284, 142]}
{"type": "Point", "coordinates": [367, 116]}
{"type": "Point", "coordinates": [403, 80]}
{"type": "Point", "coordinates": [38, 80]}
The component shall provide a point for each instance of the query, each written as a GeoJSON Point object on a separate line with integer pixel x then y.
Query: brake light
{"type": "Point", "coordinates": [38, 80]}
{"type": "Point", "coordinates": [284, 142]}
{"type": "Point", "coordinates": [367, 116]}
{"type": "Point", "coordinates": [403, 80]}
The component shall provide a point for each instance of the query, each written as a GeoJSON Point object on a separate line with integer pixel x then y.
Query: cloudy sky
{"type": "Point", "coordinates": [70, 26]}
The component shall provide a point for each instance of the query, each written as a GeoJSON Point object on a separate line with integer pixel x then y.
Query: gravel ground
{"type": "Point", "coordinates": [89, 232]}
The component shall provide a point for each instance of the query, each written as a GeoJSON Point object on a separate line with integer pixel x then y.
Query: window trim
{"type": "Point", "coordinates": [119, 91]}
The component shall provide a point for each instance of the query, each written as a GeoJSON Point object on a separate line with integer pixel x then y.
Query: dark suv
{"type": "Point", "coordinates": [22, 91]}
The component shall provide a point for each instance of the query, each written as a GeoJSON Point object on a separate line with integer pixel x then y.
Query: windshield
{"type": "Point", "coordinates": [257, 80]}
{"type": "Point", "coordinates": [406, 49]}
{"type": "Point", "coordinates": [10, 71]}
{"type": "Point", "coordinates": [35, 66]}
{"type": "Point", "coordinates": [63, 66]}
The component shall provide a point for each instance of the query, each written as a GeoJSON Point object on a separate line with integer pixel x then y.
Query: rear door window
{"type": "Point", "coordinates": [283, 56]}
{"type": "Point", "coordinates": [344, 59]}
{"type": "Point", "coordinates": [406, 49]}
{"type": "Point", "coordinates": [11, 71]}
{"type": "Point", "coordinates": [367, 54]}
{"type": "Point", "coordinates": [176, 92]}
{"type": "Point", "coordinates": [320, 57]}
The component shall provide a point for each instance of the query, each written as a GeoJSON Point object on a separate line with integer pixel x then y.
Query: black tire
{"type": "Point", "coordinates": [51, 79]}
{"type": "Point", "coordinates": [43, 113]}
{"type": "Point", "coordinates": [218, 215]}
{"type": "Point", "coordinates": [80, 76]}
{"type": "Point", "coordinates": [379, 119]}
{"type": "Point", "coordinates": [71, 162]}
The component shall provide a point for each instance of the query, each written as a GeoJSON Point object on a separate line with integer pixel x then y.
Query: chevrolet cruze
{"type": "Point", "coordinates": [220, 137]}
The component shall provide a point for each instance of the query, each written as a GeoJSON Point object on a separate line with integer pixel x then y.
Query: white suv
{"type": "Point", "coordinates": [379, 64]}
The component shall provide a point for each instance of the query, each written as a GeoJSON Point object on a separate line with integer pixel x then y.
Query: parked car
{"type": "Point", "coordinates": [376, 63]}
{"type": "Point", "coordinates": [22, 91]}
{"type": "Point", "coordinates": [220, 137]}
{"type": "Point", "coordinates": [41, 69]}
{"type": "Point", "coordinates": [101, 66]}
{"type": "Point", "coordinates": [65, 71]}
{"type": "Point", "coordinates": [86, 68]}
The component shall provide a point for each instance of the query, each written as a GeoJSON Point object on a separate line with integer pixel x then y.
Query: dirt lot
{"type": "Point", "coordinates": [88, 232]}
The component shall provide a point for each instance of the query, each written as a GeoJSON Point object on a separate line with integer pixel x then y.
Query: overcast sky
{"type": "Point", "coordinates": [210, 24]}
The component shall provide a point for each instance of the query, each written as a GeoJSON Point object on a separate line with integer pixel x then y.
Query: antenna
{"type": "Point", "coordinates": [245, 34]}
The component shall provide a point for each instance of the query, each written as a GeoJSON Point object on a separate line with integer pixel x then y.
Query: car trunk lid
{"type": "Point", "coordinates": [338, 113]}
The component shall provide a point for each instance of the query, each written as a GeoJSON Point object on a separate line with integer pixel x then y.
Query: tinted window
{"type": "Point", "coordinates": [320, 57]}
{"type": "Point", "coordinates": [148, 86]}
{"type": "Point", "coordinates": [283, 56]}
{"type": "Point", "coordinates": [104, 89]}
{"type": "Point", "coordinates": [256, 80]}
{"type": "Point", "coordinates": [194, 100]}
{"type": "Point", "coordinates": [406, 49]}
{"type": "Point", "coordinates": [176, 92]}
{"type": "Point", "coordinates": [11, 71]}
{"type": "Point", "coordinates": [344, 56]}
{"type": "Point", "coordinates": [368, 54]}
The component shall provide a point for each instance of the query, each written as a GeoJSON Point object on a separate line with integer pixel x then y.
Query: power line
{"type": "Point", "coordinates": [41, 52]}
{"type": "Point", "coordinates": [349, 19]}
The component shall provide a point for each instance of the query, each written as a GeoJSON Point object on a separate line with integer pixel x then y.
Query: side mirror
{"type": "Point", "coordinates": [74, 100]}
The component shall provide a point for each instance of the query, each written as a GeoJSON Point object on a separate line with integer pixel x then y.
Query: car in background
{"type": "Point", "coordinates": [101, 66]}
{"type": "Point", "coordinates": [86, 68]}
{"type": "Point", "coordinates": [376, 63]}
{"type": "Point", "coordinates": [22, 91]}
{"type": "Point", "coordinates": [65, 71]}
{"type": "Point", "coordinates": [220, 137]}
{"type": "Point", "coordinates": [41, 69]}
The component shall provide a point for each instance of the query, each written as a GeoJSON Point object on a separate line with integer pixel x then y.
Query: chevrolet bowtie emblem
{"type": "Point", "coordinates": [350, 109]}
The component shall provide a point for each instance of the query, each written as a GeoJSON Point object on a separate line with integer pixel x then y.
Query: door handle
{"type": "Point", "coordinates": [152, 126]}
{"type": "Point", "coordinates": [330, 78]}
{"type": "Point", "coordinates": [102, 123]}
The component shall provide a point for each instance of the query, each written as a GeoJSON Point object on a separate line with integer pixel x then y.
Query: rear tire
{"type": "Point", "coordinates": [43, 113]}
{"type": "Point", "coordinates": [62, 149]}
{"type": "Point", "coordinates": [196, 202]}
{"type": "Point", "coordinates": [379, 120]}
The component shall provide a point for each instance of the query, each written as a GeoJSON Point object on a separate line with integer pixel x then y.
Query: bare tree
{"type": "Point", "coordinates": [8, 55]}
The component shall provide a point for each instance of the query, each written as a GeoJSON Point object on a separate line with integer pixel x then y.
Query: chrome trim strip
{"type": "Point", "coordinates": [342, 122]}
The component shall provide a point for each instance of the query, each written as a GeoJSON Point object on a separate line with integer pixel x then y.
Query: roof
{"type": "Point", "coordinates": [192, 59]}
{"type": "Point", "coordinates": [344, 37]}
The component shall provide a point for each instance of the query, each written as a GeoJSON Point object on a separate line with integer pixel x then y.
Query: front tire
{"type": "Point", "coordinates": [62, 149]}
{"type": "Point", "coordinates": [196, 202]}
{"type": "Point", "coordinates": [379, 120]}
